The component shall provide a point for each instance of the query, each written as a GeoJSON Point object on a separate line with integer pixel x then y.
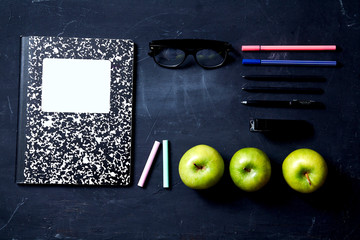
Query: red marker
{"type": "Point", "coordinates": [288, 48]}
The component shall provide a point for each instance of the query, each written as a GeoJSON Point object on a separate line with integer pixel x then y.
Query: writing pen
{"type": "Point", "coordinates": [286, 104]}
{"type": "Point", "coordinates": [288, 62]}
{"type": "Point", "coordinates": [288, 48]}
{"type": "Point", "coordinates": [289, 78]}
{"type": "Point", "coordinates": [282, 90]}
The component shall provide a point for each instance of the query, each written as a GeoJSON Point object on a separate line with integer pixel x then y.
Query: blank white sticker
{"type": "Point", "coordinates": [76, 85]}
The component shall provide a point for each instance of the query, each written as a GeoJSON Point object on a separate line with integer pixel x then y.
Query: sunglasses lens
{"type": "Point", "coordinates": [169, 57]}
{"type": "Point", "coordinates": [211, 58]}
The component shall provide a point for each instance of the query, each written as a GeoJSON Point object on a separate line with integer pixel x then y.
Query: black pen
{"type": "Point", "coordinates": [286, 104]}
{"type": "Point", "coordinates": [282, 90]}
{"type": "Point", "coordinates": [289, 78]}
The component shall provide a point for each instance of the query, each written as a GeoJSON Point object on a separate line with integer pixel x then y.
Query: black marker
{"type": "Point", "coordinates": [289, 78]}
{"type": "Point", "coordinates": [283, 90]}
{"type": "Point", "coordinates": [286, 104]}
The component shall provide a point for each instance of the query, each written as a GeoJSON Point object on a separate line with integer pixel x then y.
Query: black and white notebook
{"type": "Point", "coordinates": [75, 111]}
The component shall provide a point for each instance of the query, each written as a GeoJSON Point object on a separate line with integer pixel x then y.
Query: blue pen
{"type": "Point", "coordinates": [288, 62]}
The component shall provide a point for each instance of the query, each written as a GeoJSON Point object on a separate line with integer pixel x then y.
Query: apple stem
{"type": "Point", "coordinates": [246, 169]}
{"type": "Point", "coordinates": [197, 166]}
{"type": "Point", "coordinates": [307, 177]}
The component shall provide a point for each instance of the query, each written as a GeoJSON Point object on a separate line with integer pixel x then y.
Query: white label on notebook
{"type": "Point", "coordinates": [76, 85]}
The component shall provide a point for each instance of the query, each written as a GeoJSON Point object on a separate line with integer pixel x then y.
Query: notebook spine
{"type": "Point", "coordinates": [23, 82]}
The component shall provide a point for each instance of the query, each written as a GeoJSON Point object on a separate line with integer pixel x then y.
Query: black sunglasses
{"type": "Point", "coordinates": [171, 53]}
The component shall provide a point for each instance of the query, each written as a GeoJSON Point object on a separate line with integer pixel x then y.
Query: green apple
{"type": "Point", "coordinates": [304, 170]}
{"type": "Point", "coordinates": [201, 167]}
{"type": "Point", "coordinates": [250, 169]}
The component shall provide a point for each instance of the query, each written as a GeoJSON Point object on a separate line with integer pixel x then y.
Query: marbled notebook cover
{"type": "Point", "coordinates": [79, 148]}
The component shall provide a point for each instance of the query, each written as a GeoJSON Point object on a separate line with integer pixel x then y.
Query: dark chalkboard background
{"type": "Point", "coordinates": [193, 106]}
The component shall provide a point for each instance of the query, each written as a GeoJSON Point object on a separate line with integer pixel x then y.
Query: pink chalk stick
{"type": "Point", "coordinates": [148, 164]}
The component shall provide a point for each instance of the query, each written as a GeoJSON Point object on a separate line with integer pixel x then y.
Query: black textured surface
{"type": "Point", "coordinates": [193, 106]}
